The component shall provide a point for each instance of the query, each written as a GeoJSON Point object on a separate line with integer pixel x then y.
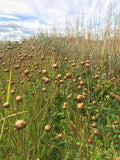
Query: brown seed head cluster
{"type": "Point", "coordinates": [94, 118]}
{"type": "Point", "coordinates": [96, 132]}
{"type": "Point", "coordinates": [44, 71]}
{"type": "Point", "coordinates": [20, 124]}
{"type": "Point", "coordinates": [94, 125]}
{"type": "Point", "coordinates": [68, 75]}
{"type": "Point", "coordinates": [80, 97]}
{"type": "Point", "coordinates": [19, 98]}
{"type": "Point", "coordinates": [116, 122]}
{"type": "Point", "coordinates": [89, 140]}
{"type": "Point", "coordinates": [64, 107]}
{"type": "Point", "coordinates": [47, 128]}
{"type": "Point", "coordinates": [80, 106]}
{"type": "Point", "coordinates": [94, 102]}
{"type": "Point", "coordinates": [59, 136]}
{"type": "Point", "coordinates": [26, 72]}
{"type": "Point", "coordinates": [6, 105]}
{"type": "Point", "coordinates": [55, 66]}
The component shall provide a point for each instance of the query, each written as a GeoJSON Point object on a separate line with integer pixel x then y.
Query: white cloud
{"type": "Point", "coordinates": [45, 13]}
{"type": "Point", "coordinates": [8, 16]}
{"type": "Point", "coordinates": [14, 7]}
{"type": "Point", "coordinates": [14, 30]}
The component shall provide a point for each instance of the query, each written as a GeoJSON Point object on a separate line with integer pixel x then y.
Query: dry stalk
{"type": "Point", "coordinates": [73, 128]}
{"type": "Point", "coordinates": [116, 96]}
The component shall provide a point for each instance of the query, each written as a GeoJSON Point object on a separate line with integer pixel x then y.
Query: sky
{"type": "Point", "coordinates": [23, 18]}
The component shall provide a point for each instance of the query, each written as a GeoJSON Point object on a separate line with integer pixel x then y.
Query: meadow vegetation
{"type": "Point", "coordinates": [60, 98]}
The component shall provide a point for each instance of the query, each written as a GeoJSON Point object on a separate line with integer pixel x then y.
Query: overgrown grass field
{"type": "Point", "coordinates": [60, 98]}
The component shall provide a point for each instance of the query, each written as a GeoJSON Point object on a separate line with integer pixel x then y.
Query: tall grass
{"type": "Point", "coordinates": [68, 88]}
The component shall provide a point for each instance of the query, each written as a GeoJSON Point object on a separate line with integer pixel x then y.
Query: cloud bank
{"type": "Point", "coordinates": [25, 17]}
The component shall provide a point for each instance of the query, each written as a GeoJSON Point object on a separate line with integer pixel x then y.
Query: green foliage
{"type": "Point", "coordinates": [72, 135]}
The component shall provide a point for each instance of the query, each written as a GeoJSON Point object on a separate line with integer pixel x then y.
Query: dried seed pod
{"type": "Point", "coordinates": [94, 125]}
{"type": "Point", "coordinates": [82, 62]}
{"type": "Point", "coordinates": [66, 58]}
{"type": "Point", "coordinates": [116, 122]}
{"type": "Point", "coordinates": [99, 72]}
{"type": "Point", "coordinates": [44, 71]}
{"type": "Point", "coordinates": [6, 70]}
{"type": "Point", "coordinates": [47, 80]}
{"type": "Point", "coordinates": [43, 78]}
{"type": "Point", "coordinates": [81, 82]}
{"type": "Point", "coordinates": [68, 75]}
{"type": "Point", "coordinates": [87, 61]}
{"type": "Point", "coordinates": [55, 66]}
{"type": "Point", "coordinates": [79, 87]}
{"type": "Point", "coordinates": [21, 82]}
{"type": "Point", "coordinates": [19, 98]}
{"type": "Point", "coordinates": [94, 102]}
{"type": "Point", "coordinates": [55, 81]}
{"type": "Point", "coordinates": [94, 118]}
{"type": "Point", "coordinates": [84, 95]}
{"type": "Point", "coordinates": [96, 132]}
{"type": "Point", "coordinates": [64, 107]}
{"type": "Point", "coordinates": [80, 97]}
{"type": "Point", "coordinates": [73, 64]}
{"type": "Point", "coordinates": [61, 81]}
{"type": "Point", "coordinates": [80, 78]}
{"type": "Point", "coordinates": [115, 126]}
{"type": "Point", "coordinates": [108, 126]}
{"type": "Point", "coordinates": [87, 65]}
{"type": "Point", "coordinates": [20, 124]}
{"type": "Point", "coordinates": [44, 89]}
{"type": "Point", "coordinates": [80, 106]}
{"type": "Point", "coordinates": [12, 91]}
{"type": "Point", "coordinates": [47, 128]}
{"type": "Point", "coordinates": [26, 72]}
{"type": "Point", "coordinates": [65, 77]}
{"type": "Point", "coordinates": [6, 105]}
{"type": "Point", "coordinates": [17, 66]}
{"type": "Point", "coordinates": [69, 97]}
{"type": "Point", "coordinates": [97, 76]}
{"type": "Point", "coordinates": [65, 103]}
{"type": "Point", "coordinates": [74, 80]}
{"type": "Point", "coordinates": [59, 136]}
{"type": "Point", "coordinates": [59, 76]}
{"type": "Point", "coordinates": [89, 140]}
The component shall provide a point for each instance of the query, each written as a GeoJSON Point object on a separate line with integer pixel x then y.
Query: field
{"type": "Point", "coordinates": [60, 98]}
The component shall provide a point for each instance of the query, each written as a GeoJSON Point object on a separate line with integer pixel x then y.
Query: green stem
{"type": "Point", "coordinates": [8, 97]}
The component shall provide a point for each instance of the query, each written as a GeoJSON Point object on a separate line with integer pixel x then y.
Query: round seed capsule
{"type": "Point", "coordinates": [47, 128]}
{"type": "Point", "coordinates": [19, 98]}
{"type": "Point", "coordinates": [20, 124]}
{"type": "Point", "coordinates": [60, 135]}
{"type": "Point", "coordinates": [6, 105]}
